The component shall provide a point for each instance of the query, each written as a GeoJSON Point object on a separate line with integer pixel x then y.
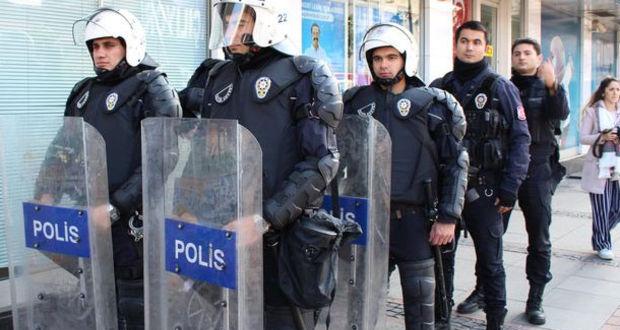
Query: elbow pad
{"type": "Point", "coordinates": [302, 189]}
{"type": "Point", "coordinates": [454, 186]}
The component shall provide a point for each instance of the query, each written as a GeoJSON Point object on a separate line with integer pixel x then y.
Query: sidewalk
{"type": "Point", "coordinates": [584, 293]}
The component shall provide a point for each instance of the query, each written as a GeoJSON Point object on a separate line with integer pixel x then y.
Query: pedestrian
{"type": "Point", "coordinates": [291, 104]}
{"type": "Point", "coordinates": [127, 88]}
{"type": "Point", "coordinates": [497, 140]}
{"type": "Point", "coordinates": [545, 105]}
{"type": "Point", "coordinates": [426, 145]}
{"type": "Point", "coordinates": [599, 126]}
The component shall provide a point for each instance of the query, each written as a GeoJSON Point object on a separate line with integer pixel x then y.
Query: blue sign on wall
{"type": "Point", "coordinates": [201, 253]}
{"type": "Point", "coordinates": [352, 208]}
{"type": "Point", "coordinates": [56, 229]}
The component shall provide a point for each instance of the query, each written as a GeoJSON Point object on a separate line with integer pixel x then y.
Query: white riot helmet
{"type": "Point", "coordinates": [391, 35]}
{"type": "Point", "coordinates": [271, 25]}
{"type": "Point", "coordinates": [108, 22]}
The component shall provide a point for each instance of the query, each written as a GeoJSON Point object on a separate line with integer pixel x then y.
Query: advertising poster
{"type": "Point", "coordinates": [461, 13]}
{"type": "Point", "coordinates": [560, 43]}
{"type": "Point", "coordinates": [323, 33]}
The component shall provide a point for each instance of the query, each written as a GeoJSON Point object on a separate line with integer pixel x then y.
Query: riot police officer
{"type": "Point", "coordinates": [426, 144]}
{"type": "Point", "coordinates": [127, 88]}
{"type": "Point", "coordinates": [291, 104]}
{"type": "Point", "coordinates": [497, 140]}
{"type": "Point", "coordinates": [545, 105]}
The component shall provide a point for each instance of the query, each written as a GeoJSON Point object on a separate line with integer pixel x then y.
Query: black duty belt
{"type": "Point", "coordinates": [399, 210]}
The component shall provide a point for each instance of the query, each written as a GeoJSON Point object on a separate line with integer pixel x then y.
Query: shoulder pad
{"type": "Point", "coordinates": [350, 93]}
{"type": "Point", "coordinates": [459, 124]}
{"type": "Point", "coordinates": [147, 76]}
{"type": "Point", "coordinates": [305, 64]}
{"type": "Point", "coordinates": [419, 96]}
{"type": "Point", "coordinates": [78, 86]}
{"type": "Point", "coordinates": [209, 63]}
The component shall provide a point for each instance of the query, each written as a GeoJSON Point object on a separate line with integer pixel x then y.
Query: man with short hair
{"type": "Point", "coordinates": [545, 105]}
{"type": "Point", "coordinates": [497, 141]}
{"type": "Point", "coordinates": [315, 50]}
{"type": "Point", "coordinates": [126, 89]}
{"type": "Point", "coordinates": [426, 146]}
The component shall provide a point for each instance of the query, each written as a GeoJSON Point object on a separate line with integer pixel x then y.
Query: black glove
{"type": "Point", "coordinates": [506, 198]}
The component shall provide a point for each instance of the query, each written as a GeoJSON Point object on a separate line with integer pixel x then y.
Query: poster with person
{"type": "Point", "coordinates": [560, 43]}
{"type": "Point", "coordinates": [323, 33]}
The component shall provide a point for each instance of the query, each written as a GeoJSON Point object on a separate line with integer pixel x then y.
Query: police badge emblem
{"type": "Point", "coordinates": [481, 100]}
{"type": "Point", "coordinates": [82, 100]}
{"type": "Point", "coordinates": [262, 87]}
{"type": "Point", "coordinates": [224, 94]}
{"type": "Point", "coordinates": [404, 105]}
{"type": "Point", "coordinates": [367, 110]}
{"type": "Point", "coordinates": [110, 101]}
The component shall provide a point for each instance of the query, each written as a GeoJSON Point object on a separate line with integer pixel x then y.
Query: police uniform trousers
{"type": "Point", "coordinates": [486, 227]}
{"type": "Point", "coordinates": [411, 252]}
{"type": "Point", "coordinates": [535, 202]}
{"type": "Point", "coordinates": [129, 275]}
{"type": "Point", "coordinates": [605, 214]}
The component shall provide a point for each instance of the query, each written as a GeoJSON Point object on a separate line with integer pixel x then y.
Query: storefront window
{"type": "Point", "coordinates": [333, 31]}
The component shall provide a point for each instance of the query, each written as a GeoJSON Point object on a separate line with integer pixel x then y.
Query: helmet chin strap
{"type": "Point", "coordinates": [390, 82]}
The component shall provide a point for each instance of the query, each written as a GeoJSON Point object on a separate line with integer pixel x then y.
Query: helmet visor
{"type": "Point", "coordinates": [99, 25]}
{"type": "Point", "coordinates": [233, 25]}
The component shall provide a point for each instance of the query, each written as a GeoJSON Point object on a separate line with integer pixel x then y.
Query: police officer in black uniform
{"type": "Point", "coordinates": [545, 105]}
{"type": "Point", "coordinates": [426, 144]}
{"type": "Point", "coordinates": [291, 104]}
{"type": "Point", "coordinates": [126, 89]}
{"type": "Point", "coordinates": [497, 140]}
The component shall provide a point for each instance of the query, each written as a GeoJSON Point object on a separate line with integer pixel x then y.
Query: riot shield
{"type": "Point", "coordinates": [56, 207]}
{"type": "Point", "coordinates": [364, 189]}
{"type": "Point", "coordinates": [203, 230]}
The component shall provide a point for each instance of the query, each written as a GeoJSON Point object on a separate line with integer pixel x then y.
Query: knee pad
{"type": "Point", "coordinates": [418, 283]}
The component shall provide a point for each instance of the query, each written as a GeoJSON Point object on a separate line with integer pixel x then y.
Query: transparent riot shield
{"type": "Point", "coordinates": [364, 189]}
{"type": "Point", "coordinates": [203, 230]}
{"type": "Point", "coordinates": [56, 207]}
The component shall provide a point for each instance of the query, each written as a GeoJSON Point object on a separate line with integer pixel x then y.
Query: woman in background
{"type": "Point", "coordinates": [599, 126]}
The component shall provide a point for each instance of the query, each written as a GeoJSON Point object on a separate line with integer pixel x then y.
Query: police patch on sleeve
{"type": "Point", "coordinates": [481, 100]}
{"type": "Point", "coordinates": [224, 94]}
{"type": "Point", "coordinates": [367, 110]}
{"type": "Point", "coordinates": [82, 100]}
{"type": "Point", "coordinates": [404, 106]}
{"type": "Point", "coordinates": [262, 87]}
{"type": "Point", "coordinates": [521, 113]}
{"type": "Point", "coordinates": [110, 101]}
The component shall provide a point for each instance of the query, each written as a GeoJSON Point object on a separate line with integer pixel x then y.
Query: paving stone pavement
{"type": "Point", "coordinates": [584, 293]}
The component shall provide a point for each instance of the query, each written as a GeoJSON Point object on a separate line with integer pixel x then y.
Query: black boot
{"type": "Point", "coordinates": [495, 320]}
{"type": "Point", "coordinates": [533, 308]}
{"type": "Point", "coordinates": [417, 279]}
{"type": "Point", "coordinates": [474, 302]}
{"type": "Point", "coordinates": [444, 323]}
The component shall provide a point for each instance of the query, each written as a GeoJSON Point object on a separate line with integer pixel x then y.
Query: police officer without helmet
{"type": "Point", "coordinates": [497, 141]}
{"type": "Point", "coordinates": [126, 89]}
{"type": "Point", "coordinates": [426, 137]}
{"type": "Point", "coordinates": [545, 105]}
{"type": "Point", "coordinates": [291, 104]}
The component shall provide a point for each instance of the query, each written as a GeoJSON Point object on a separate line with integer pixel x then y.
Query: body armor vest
{"type": "Point", "coordinates": [414, 155]}
{"type": "Point", "coordinates": [486, 138]}
{"type": "Point", "coordinates": [115, 110]}
{"type": "Point", "coordinates": [261, 99]}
